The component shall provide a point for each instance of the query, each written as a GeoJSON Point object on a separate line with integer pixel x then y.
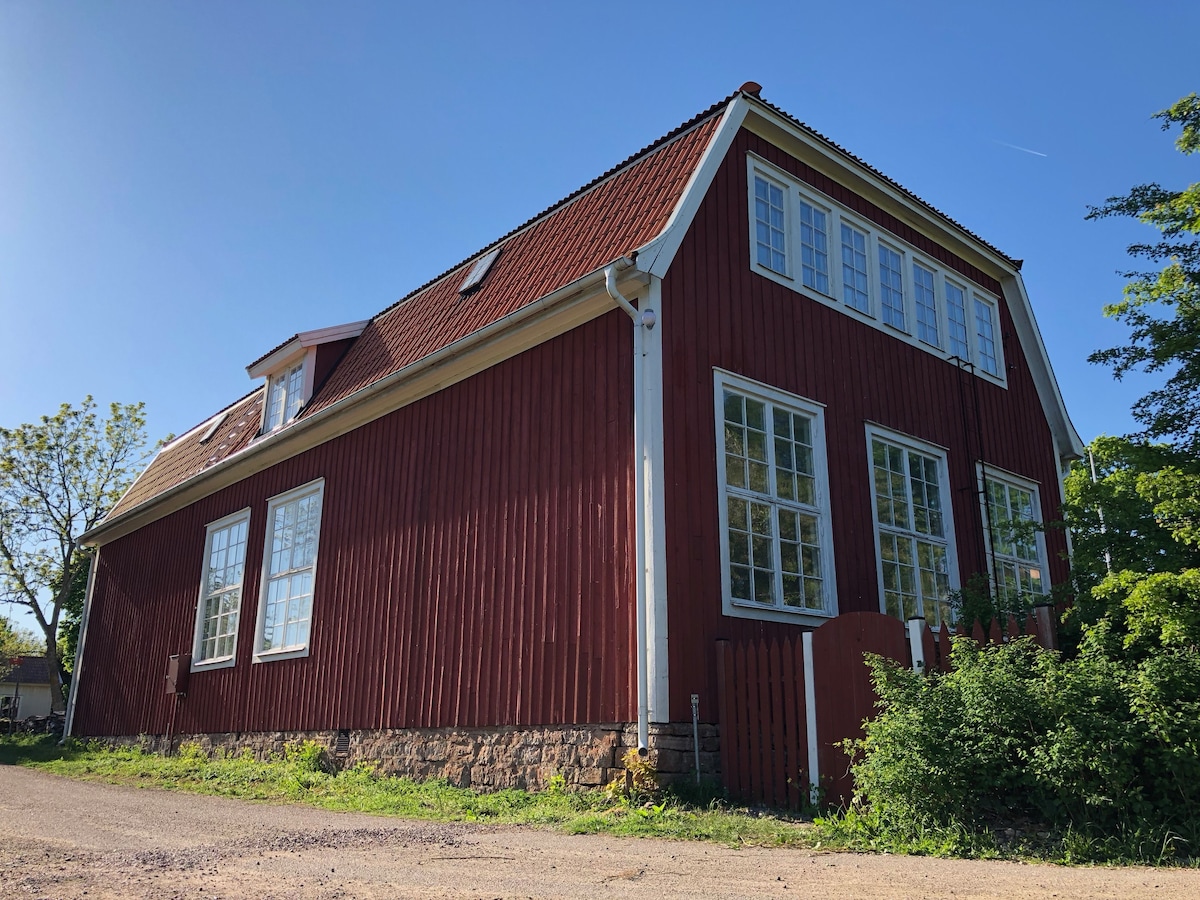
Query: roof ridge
{"type": "Point", "coordinates": [653, 147]}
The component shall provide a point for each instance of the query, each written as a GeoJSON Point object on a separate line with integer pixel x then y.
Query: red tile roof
{"type": "Point", "coordinates": [620, 211]}
{"type": "Point", "coordinates": [187, 456]}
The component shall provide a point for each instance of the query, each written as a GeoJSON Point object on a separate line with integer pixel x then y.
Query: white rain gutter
{"type": "Point", "coordinates": [643, 438]}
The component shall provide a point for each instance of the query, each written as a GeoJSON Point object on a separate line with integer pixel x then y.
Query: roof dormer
{"type": "Point", "coordinates": [295, 369]}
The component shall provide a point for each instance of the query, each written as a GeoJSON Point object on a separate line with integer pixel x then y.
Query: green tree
{"type": "Point", "coordinates": [59, 478]}
{"type": "Point", "coordinates": [1162, 308]}
{"type": "Point", "coordinates": [15, 642]}
{"type": "Point", "coordinates": [1120, 517]}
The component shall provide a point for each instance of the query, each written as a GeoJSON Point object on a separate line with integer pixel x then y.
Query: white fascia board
{"type": "Point", "coordinates": [332, 333]}
{"type": "Point", "coordinates": [655, 257]}
{"type": "Point", "coordinates": [305, 339]}
{"type": "Point", "coordinates": [1066, 437]}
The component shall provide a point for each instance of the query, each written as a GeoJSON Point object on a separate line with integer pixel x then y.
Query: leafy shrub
{"type": "Point", "coordinates": [1097, 748]}
{"type": "Point", "coordinates": [639, 779]}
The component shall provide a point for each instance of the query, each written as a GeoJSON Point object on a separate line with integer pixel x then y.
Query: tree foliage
{"type": "Point", "coordinates": [1162, 308]}
{"type": "Point", "coordinates": [59, 477]}
{"type": "Point", "coordinates": [15, 642]}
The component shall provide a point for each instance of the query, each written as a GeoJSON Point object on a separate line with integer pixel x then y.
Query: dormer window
{"type": "Point", "coordinates": [296, 369]}
{"type": "Point", "coordinates": [284, 397]}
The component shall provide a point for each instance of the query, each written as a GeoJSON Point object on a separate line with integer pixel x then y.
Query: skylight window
{"type": "Point", "coordinates": [478, 272]}
{"type": "Point", "coordinates": [216, 422]}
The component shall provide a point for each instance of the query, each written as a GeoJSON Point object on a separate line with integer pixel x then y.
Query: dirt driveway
{"type": "Point", "coordinates": [68, 839]}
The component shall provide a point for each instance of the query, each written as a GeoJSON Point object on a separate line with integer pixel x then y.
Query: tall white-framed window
{"type": "Point", "coordinates": [776, 540]}
{"type": "Point", "coordinates": [925, 300]}
{"type": "Point", "coordinates": [219, 608]}
{"type": "Point", "coordinates": [1012, 516]}
{"type": "Point", "coordinates": [956, 320]}
{"type": "Point", "coordinates": [814, 247]}
{"type": "Point", "coordinates": [289, 573]}
{"type": "Point", "coordinates": [914, 526]}
{"type": "Point", "coordinates": [856, 278]}
{"type": "Point", "coordinates": [985, 337]}
{"type": "Point", "coordinates": [891, 286]}
{"type": "Point", "coordinates": [770, 224]}
{"type": "Point", "coordinates": [284, 396]}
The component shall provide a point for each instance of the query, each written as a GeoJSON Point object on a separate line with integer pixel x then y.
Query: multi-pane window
{"type": "Point", "coordinates": [985, 337]}
{"type": "Point", "coordinates": [284, 397]}
{"type": "Point", "coordinates": [891, 287]}
{"type": "Point", "coordinates": [770, 217]}
{"type": "Point", "coordinates": [912, 524]}
{"type": "Point", "coordinates": [221, 589]}
{"type": "Point", "coordinates": [1013, 526]}
{"type": "Point", "coordinates": [854, 269]}
{"type": "Point", "coordinates": [797, 235]}
{"type": "Point", "coordinates": [926, 303]}
{"type": "Point", "coordinates": [814, 248]}
{"type": "Point", "coordinates": [774, 516]}
{"type": "Point", "coordinates": [956, 321]}
{"type": "Point", "coordinates": [289, 570]}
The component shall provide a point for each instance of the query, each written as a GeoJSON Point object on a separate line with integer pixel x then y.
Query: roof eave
{"type": "Point", "coordinates": [368, 403]}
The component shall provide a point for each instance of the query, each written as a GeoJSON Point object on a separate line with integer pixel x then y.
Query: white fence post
{"type": "Point", "coordinates": [810, 713]}
{"type": "Point", "coordinates": [916, 643]}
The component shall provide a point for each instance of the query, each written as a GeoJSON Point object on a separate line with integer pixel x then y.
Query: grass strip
{"type": "Point", "coordinates": [300, 775]}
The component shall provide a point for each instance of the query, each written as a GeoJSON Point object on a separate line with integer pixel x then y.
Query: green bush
{"type": "Point", "coordinates": [1090, 752]}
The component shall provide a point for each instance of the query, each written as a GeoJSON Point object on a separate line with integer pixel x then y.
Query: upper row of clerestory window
{"type": "Point", "coordinates": [792, 236]}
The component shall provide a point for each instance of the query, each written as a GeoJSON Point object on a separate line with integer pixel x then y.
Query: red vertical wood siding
{"type": "Point", "coordinates": [717, 312]}
{"type": "Point", "coordinates": [475, 567]}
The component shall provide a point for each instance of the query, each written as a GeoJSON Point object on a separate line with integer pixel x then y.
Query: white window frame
{"type": "Point", "coordinates": [723, 380]}
{"type": "Point", "coordinates": [882, 246]}
{"type": "Point", "coordinates": [281, 378]}
{"type": "Point", "coordinates": [913, 265]}
{"type": "Point", "coordinates": [966, 311]}
{"type": "Point", "coordinates": [996, 339]}
{"type": "Point", "coordinates": [836, 216]}
{"type": "Point", "coordinates": [867, 314]}
{"type": "Point", "coordinates": [985, 473]}
{"type": "Point", "coordinates": [312, 488]}
{"type": "Point", "coordinates": [801, 201]}
{"type": "Point", "coordinates": [789, 219]}
{"type": "Point", "coordinates": [218, 662]}
{"type": "Point", "coordinates": [912, 444]}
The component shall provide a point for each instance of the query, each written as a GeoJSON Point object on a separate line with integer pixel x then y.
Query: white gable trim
{"type": "Point", "coordinates": [276, 359]}
{"type": "Point", "coordinates": [1065, 436]}
{"type": "Point", "coordinates": [656, 256]}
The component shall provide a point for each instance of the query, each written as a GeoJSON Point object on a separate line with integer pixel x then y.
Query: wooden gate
{"type": "Point", "coordinates": [785, 704]}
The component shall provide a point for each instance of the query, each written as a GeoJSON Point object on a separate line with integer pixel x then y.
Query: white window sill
{"type": "Point", "coordinates": [204, 665]}
{"type": "Point", "coordinates": [739, 610]}
{"type": "Point", "coordinates": [285, 653]}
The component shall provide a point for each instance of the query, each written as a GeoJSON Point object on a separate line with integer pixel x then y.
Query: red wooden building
{"type": "Point", "coordinates": [738, 385]}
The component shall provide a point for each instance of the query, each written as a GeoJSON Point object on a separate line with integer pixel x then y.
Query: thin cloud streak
{"type": "Point", "coordinates": [1022, 149]}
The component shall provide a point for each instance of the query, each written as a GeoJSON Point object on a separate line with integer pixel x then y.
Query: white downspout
{"type": "Point", "coordinates": [641, 320]}
{"type": "Point", "coordinates": [69, 717]}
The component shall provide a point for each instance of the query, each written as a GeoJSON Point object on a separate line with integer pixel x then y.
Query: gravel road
{"type": "Point", "coordinates": [70, 839]}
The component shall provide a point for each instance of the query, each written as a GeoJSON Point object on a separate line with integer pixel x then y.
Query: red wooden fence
{"type": "Point", "coordinates": [767, 727]}
{"type": "Point", "coordinates": [785, 705]}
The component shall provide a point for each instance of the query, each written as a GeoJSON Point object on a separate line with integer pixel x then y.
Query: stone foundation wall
{"type": "Point", "coordinates": [484, 758]}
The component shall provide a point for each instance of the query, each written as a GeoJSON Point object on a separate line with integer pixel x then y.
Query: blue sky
{"type": "Point", "coordinates": [183, 185]}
